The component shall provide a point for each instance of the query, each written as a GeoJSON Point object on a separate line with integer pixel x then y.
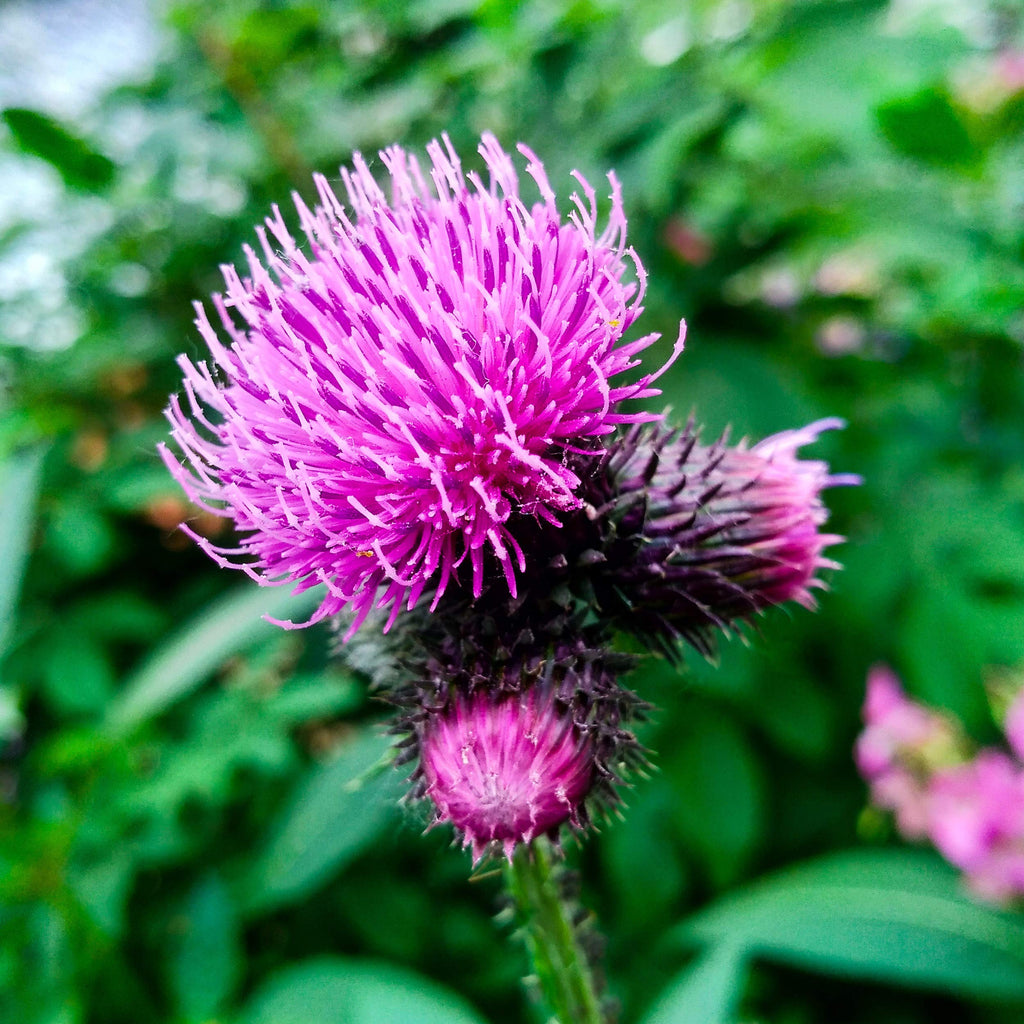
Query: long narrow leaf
{"type": "Point", "coordinates": [19, 492]}
{"type": "Point", "coordinates": [184, 661]}
{"type": "Point", "coordinates": [889, 915]}
{"type": "Point", "coordinates": [334, 815]}
{"type": "Point", "coordinates": [706, 992]}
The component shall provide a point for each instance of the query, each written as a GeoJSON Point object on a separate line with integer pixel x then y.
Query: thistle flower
{"type": "Point", "coordinates": [505, 770]}
{"type": "Point", "coordinates": [548, 709]}
{"type": "Point", "coordinates": [699, 536]}
{"type": "Point", "coordinates": [394, 399]}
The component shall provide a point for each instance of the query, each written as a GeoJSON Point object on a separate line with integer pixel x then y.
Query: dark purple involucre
{"type": "Point", "coordinates": [393, 398]}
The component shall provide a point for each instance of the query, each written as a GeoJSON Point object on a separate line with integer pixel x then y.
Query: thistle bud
{"type": "Point", "coordinates": [701, 536]}
{"type": "Point", "coordinates": [504, 770]}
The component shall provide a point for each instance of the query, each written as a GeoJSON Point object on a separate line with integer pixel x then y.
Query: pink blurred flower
{"type": "Point", "coordinates": [904, 794]}
{"type": "Point", "coordinates": [1009, 66]}
{"type": "Point", "coordinates": [971, 810]}
{"type": "Point", "coordinates": [391, 400]}
{"type": "Point", "coordinates": [890, 752]}
{"type": "Point", "coordinates": [976, 821]}
{"type": "Point", "coordinates": [505, 769]}
{"type": "Point", "coordinates": [1013, 725]}
{"type": "Point", "coordinates": [897, 730]}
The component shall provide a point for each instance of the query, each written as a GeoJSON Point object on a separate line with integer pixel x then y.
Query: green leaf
{"type": "Point", "coordinates": [333, 817]}
{"type": "Point", "coordinates": [81, 166]}
{"type": "Point", "coordinates": [645, 897]}
{"type": "Point", "coordinates": [330, 990]}
{"type": "Point", "coordinates": [706, 992]}
{"type": "Point", "coordinates": [184, 661]}
{"type": "Point", "coordinates": [927, 127]}
{"type": "Point", "coordinates": [79, 536]}
{"type": "Point", "coordinates": [888, 915]}
{"type": "Point", "coordinates": [78, 677]}
{"type": "Point", "coordinates": [206, 961]}
{"type": "Point", "coordinates": [103, 887]}
{"type": "Point", "coordinates": [719, 805]}
{"type": "Point", "coordinates": [19, 491]}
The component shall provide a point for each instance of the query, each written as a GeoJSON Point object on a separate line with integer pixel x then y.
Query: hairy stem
{"type": "Point", "coordinates": [560, 964]}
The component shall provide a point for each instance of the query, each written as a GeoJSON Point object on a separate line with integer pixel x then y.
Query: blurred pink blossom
{"type": "Point", "coordinates": [1013, 725]}
{"type": "Point", "coordinates": [971, 810]}
{"type": "Point", "coordinates": [976, 821]}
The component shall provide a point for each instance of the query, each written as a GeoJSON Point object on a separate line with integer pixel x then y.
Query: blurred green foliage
{"type": "Point", "coordinates": [193, 823]}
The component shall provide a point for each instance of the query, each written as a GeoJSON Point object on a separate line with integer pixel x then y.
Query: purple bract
{"type": "Point", "coordinates": [393, 398]}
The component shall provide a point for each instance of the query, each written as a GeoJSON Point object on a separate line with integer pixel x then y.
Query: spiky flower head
{"type": "Point", "coordinates": [505, 769]}
{"type": "Point", "coordinates": [474, 674]}
{"type": "Point", "coordinates": [698, 536]}
{"type": "Point", "coordinates": [395, 397]}
{"type": "Point", "coordinates": [549, 711]}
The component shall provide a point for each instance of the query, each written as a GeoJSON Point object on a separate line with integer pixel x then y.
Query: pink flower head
{"type": "Point", "coordinates": [898, 729]}
{"type": "Point", "coordinates": [903, 742]}
{"type": "Point", "coordinates": [786, 493]}
{"type": "Point", "coordinates": [971, 810]}
{"type": "Point", "coordinates": [391, 399]}
{"type": "Point", "coordinates": [505, 769]}
{"type": "Point", "coordinates": [976, 820]}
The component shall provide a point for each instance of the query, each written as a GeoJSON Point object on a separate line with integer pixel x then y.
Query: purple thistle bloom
{"type": "Point", "coordinates": [549, 713]}
{"type": "Point", "coordinates": [504, 770]}
{"type": "Point", "coordinates": [391, 400]}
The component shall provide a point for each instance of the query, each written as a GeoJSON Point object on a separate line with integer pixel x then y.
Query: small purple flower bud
{"type": "Point", "coordinates": [705, 535]}
{"type": "Point", "coordinates": [505, 769]}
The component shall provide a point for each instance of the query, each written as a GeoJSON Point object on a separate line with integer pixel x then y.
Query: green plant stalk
{"type": "Point", "coordinates": [560, 964]}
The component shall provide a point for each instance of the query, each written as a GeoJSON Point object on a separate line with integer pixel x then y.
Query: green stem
{"type": "Point", "coordinates": [561, 966]}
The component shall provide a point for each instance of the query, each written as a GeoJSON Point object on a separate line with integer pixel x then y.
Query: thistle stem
{"type": "Point", "coordinates": [560, 964]}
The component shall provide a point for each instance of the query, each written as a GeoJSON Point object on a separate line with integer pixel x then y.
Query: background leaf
{"type": "Point", "coordinates": [81, 166]}
{"type": "Point", "coordinates": [334, 815]}
{"type": "Point", "coordinates": [19, 490]}
{"type": "Point", "coordinates": [186, 660]}
{"type": "Point", "coordinates": [895, 916]}
{"type": "Point", "coordinates": [336, 991]}
{"type": "Point", "coordinates": [207, 957]}
{"type": "Point", "coordinates": [708, 991]}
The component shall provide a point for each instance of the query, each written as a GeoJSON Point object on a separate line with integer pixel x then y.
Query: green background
{"type": "Point", "coordinates": [832, 195]}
